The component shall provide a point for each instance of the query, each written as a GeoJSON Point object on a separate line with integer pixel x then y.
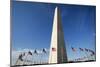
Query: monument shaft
{"type": "Point", "coordinates": [57, 47]}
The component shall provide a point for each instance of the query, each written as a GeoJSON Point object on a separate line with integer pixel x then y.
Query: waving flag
{"type": "Point", "coordinates": [35, 52]}
{"type": "Point", "coordinates": [53, 49]}
{"type": "Point", "coordinates": [20, 57]}
{"type": "Point", "coordinates": [73, 49]}
{"type": "Point", "coordinates": [92, 52]}
{"type": "Point", "coordinates": [44, 50]}
{"type": "Point", "coordinates": [86, 49]}
{"type": "Point", "coordinates": [30, 53]}
{"type": "Point", "coordinates": [81, 49]}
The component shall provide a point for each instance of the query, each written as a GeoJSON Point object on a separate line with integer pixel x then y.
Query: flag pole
{"type": "Point", "coordinates": [18, 58]}
{"type": "Point", "coordinates": [41, 58]}
{"type": "Point", "coordinates": [86, 50]}
{"type": "Point", "coordinates": [74, 50]}
{"type": "Point", "coordinates": [44, 52]}
{"type": "Point", "coordinates": [17, 61]}
{"type": "Point", "coordinates": [25, 59]}
{"type": "Point", "coordinates": [27, 55]}
{"type": "Point", "coordinates": [82, 50]}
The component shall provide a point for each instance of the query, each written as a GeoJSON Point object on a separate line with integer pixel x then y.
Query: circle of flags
{"type": "Point", "coordinates": [23, 56]}
{"type": "Point", "coordinates": [89, 53]}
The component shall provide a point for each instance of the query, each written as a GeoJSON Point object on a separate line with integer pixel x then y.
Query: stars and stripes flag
{"type": "Point", "coordinates": [86, 50]}
{"type": "Point", "coordinates": [53, 49]}
{"type": "Point", "coordinates": [73, 49]}
{"type": "Point", "coordinates": [92, 52]}
{"type": "Point", "coordinates": [20, 57]}
{"type": "Point", "coordinates": [30, 53]}
{"type": "Point", "coordinates": [81, 49]}
{"type": "Point", "coordinates": [89, 50]}
{"type": "Point", "coordinates": [35, 51]}
{"type": "Point", "coordinates": [44, 50]}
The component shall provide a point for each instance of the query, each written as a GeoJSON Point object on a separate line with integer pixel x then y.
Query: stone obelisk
{"type": "Point", "coordinates": [57, 47]}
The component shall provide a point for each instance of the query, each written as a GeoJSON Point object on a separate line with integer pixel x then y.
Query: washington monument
{"type": "Point", "coordinates": [57, 45]}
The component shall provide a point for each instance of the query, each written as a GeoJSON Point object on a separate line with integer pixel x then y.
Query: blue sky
{"type": "Point", "coordinates": [32, 26]}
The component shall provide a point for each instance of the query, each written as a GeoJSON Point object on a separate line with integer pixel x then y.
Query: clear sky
{"type": "Point", "coordinates": [32, 26]}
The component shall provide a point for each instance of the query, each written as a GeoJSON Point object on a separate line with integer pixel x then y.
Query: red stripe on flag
{"type": "Point", "coordinates": [53, 49]}
{"type": "Point", "coordinates": [73, 49]}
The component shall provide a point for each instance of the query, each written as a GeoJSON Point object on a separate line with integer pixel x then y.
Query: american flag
{"type": "Point", "coordinates": [92, 52]}
{"type": "Point", "coordinates": [73, 49]}
{"type": "Point", "coordinates": [53, 49]}
{"type": "Point", "coordinates": [44, 50]}
{"type": "Point", "coordinates": [81, 49]}
{"type": "Point", "coordinates": [30, 53]}
{"type": "Point", "coordinates": [35, 51]}
{"type": "Point", "coordinates": [86, 49]}
{"type": "Point", "coordinates": [20, 57]}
